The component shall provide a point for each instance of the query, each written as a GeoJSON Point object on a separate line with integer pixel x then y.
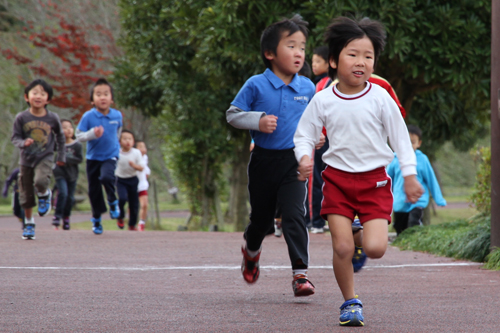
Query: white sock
{"type": "Point", "coordinates": [29, 221]}
{"type": "Point", "coordinates": [43, 194]}
{"type": "Point", "coordinates": [253, 254]}
{"type": "Point", "coordinates": [142, 222]}
{"type": "Point", "coordinates": [300, 271]}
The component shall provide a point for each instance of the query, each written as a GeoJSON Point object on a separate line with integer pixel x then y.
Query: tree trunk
{"type": "Point", "coordinates": [238, 209]}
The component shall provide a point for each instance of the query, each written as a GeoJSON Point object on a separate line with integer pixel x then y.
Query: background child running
{"type": "Point", "coordinates": [17, 210]}
{"type": "Point", "coordinates": [35, 133]}
{"type": "Point", "coordinates": [129, 165]}
{"type": "Point", "coordinates": [270, 106]}
{"type": "Point", "coordinates": [143, 186]}
{"type": "Point", "coordinates": [359, 117]}
{"type": "Point", "coordinates": [101, 127]}
{"type": "Point", "coordinates": [66, 176]}
{"type": "Point", "coordinates": [406, 213]}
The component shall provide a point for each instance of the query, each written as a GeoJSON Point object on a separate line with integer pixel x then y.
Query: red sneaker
{"type": "Point", "coordinates": [120, 223]}
{"type": "Point", "coordinates": [141, 227]}
{"type": "Point", "coordinates": [132, 228]}
{"type": "Point", "coordinates": [302, 286]}
{"type": "Point", "coordinates": [250, 266]}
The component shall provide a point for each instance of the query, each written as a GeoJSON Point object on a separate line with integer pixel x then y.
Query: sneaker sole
{"type": "Point", "coordinates": [353, 322]}
{"type": "Point", "coordinates": [305, 292]}
{"type": "Point", "coordinates": [27, 237]}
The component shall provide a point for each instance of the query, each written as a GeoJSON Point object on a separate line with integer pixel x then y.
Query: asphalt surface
{"type": "Point", "coordinates": [154, 281]}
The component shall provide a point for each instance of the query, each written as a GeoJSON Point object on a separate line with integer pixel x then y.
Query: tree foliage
{"type": "Point", "coordinates": [76, 63]}
{"type": "Point", "coordinates": [186, 60]}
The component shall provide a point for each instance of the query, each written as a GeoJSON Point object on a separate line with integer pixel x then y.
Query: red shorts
{"type": "Point", "coordinates": [141, 193]}
{"type": "Point", "coordinates": [366, 194]}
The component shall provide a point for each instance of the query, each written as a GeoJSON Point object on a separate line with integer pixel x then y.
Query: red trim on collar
{"type": "Point", "coordinates": [351, 98]}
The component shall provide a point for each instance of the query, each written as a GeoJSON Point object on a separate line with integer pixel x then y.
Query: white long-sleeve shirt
{"type": "Point", "coordinates": [357, 127]}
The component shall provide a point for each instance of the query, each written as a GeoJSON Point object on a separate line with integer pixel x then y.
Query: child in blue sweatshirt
{"type": "Point", "coordinates": [407, 214]}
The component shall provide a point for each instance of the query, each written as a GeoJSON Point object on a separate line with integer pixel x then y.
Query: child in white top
{"type": "Point", "coordinates": [359, 117]}
{"type": "Point", "coordinates": [127, 168]}
{"type": "Point", "coordinates": [143, 185]}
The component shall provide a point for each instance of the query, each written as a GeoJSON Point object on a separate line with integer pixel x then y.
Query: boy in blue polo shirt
{"type": "Point", "coordinates": [101, 128]}
{"type": "Point", "coordinates": [270, 106]}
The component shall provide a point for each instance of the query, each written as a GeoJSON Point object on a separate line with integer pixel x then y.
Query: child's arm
{"type": "Point", "coordinates": [17, 137]}
{"type": "Point", "coordinates": [138, 164]}
{"type": "Point", "coordinates": [306, 137]}
{"type": "Point", "coordinates": [76, 156]}
{"type": "Point", "coordinates": [251, 120]}
{"type": "Point", "coordinates": [430, 180]}
{"type": "Point", "coordinates": [60, 140]}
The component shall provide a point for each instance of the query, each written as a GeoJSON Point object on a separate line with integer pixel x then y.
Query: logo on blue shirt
{"type": "Point", "coordinates": [301, 99]}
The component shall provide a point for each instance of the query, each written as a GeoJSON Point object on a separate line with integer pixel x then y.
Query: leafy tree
{"type": "Point", "coordinates": [186, 60]}
{"type": "Point", "coordinates": [76, 63]}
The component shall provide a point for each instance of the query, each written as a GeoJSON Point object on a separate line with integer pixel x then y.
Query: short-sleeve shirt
{"type": "Point", "coordinates": [268, 93]}
{"type": "Point", "coordinates": [107, 146]}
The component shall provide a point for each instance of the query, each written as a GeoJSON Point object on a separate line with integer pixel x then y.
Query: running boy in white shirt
{"type": "Point", "coordinates": [127, 168]}
{"type": "Point", "coordinates": [359, 117]}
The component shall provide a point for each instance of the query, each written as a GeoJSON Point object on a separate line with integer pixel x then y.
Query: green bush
{"type": "Point", "coordinates": [481, 197]}
{"type": "Point", "coordinates": [493, 260]}
{"type": "Point", "coordinates": [462, 239]}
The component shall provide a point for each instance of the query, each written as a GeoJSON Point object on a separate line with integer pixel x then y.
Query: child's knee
{"type": "Point", "coordinates": [343, 249]}
{"type": "Point", "coordinates": [375, 251]}
{"type": "Point", "coordinates": [107, 179]}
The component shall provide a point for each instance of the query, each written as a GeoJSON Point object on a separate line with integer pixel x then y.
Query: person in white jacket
{"type": "Point", "coordinates": [359, 117]}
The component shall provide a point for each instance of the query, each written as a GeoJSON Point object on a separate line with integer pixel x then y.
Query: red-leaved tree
{"type": "Point", "coordinates": [74, 62]}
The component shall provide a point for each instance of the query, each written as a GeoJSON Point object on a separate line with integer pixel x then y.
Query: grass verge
{"type": "Point", "coordinates": [467, 239]}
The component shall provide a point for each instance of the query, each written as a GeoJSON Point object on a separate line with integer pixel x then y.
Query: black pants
{"type": "Point", "coordinates": [272, 182]}
{"type": "Point", "coordinates": [317, 188]}
{"type": "Point", "coordinates": [127, 192]}
{"type": "Point", "coordinates": [101, 173]}
{"type": "Point", "coordinates": [402, 221]}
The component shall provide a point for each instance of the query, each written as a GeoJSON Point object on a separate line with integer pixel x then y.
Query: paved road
{"type": "Point", "coordinates": [123, 281]}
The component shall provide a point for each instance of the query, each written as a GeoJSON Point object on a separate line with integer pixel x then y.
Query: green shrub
{"type": "Point", "coordinates": [481, 197]}
{"type": "Point", "coordinates": [462, 239]}
{"type": "Point", "coordinates": [493, 260]}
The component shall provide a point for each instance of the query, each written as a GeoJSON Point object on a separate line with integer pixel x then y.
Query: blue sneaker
{"type": "Point", "coordinates": [356, 226]}
{"type": "Point", "coordinates": [351, 313]}
{"type": "Point", "coordinates": [358, 259]}
{"type": "Point", "coordinates": [114, 210]}
{"type": "Point", "coordinates": [29, 231]}
{"type": "Point", "coordinates": [44, 203]}
{"type": "Point", "coordinates": [97, 228]}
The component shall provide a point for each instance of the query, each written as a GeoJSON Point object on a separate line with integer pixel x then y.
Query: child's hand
{"type": "Point", "coordinates": [98, 131]}
{"type": "Point", "coordinates": [321, 141]}
{"type": "Point", "coordinates": [413, 189]}
{"type": "Point", "coordinates": [267, 124]}
{"type": "Point", "coordinates": [60, 163]}
{"type": "Point", "coordinates": [305, 168]}
{"type": "Point", "coordinates": [132, 164]}
{"type": "Point", "coordinates": [28, 142]}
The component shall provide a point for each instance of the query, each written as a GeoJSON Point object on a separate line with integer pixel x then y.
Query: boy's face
{"type": "Point", "coordinates": [102, 97]}
{"type": "Point", "coordinates": [290, 54]}
{"type": "Point", "coordinates": [415, 141]}
{"type": "Point", "coordinates": [142, 147]}
{"type": "Point", "coordinates": [355, 65]}
{"type": "Point", "coordinates": [319, 65]}
{"type": "Point", "coordinates": [67, 129]}
{"type": "Point", "coordinates": [37, 97]}
{"type": "Point", "coordinates": [126, 141]}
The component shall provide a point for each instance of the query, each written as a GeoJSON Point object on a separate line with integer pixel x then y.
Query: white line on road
{"type": "Point", "coordinates": [157, 268]}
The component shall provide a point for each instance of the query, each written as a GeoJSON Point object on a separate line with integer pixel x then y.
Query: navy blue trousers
{"type": "Point", "coordinates": [127, 192]}
{"type": "Point", "coordinates": [101, 174]}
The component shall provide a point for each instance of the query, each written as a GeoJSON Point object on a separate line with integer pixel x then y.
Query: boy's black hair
{"type": "Point", "coordinates": [128, 131]}
{"type": "Point", "coordinates": [344, 30]}
{"type": "Point", "coordinates": [272, 35]}
{"type": "Point", "coordinates": [69, 121]}
{"type": "Point", "coordinates": [306, 70]}
{"type": "Point", "coordinates": [39, 82]}
{"type": "Point", "coordinates": [99, 82]}
{"type": "Point", "coordinates": [412, 129]}
{"type": "Point", "coordinates": [322, 51]}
